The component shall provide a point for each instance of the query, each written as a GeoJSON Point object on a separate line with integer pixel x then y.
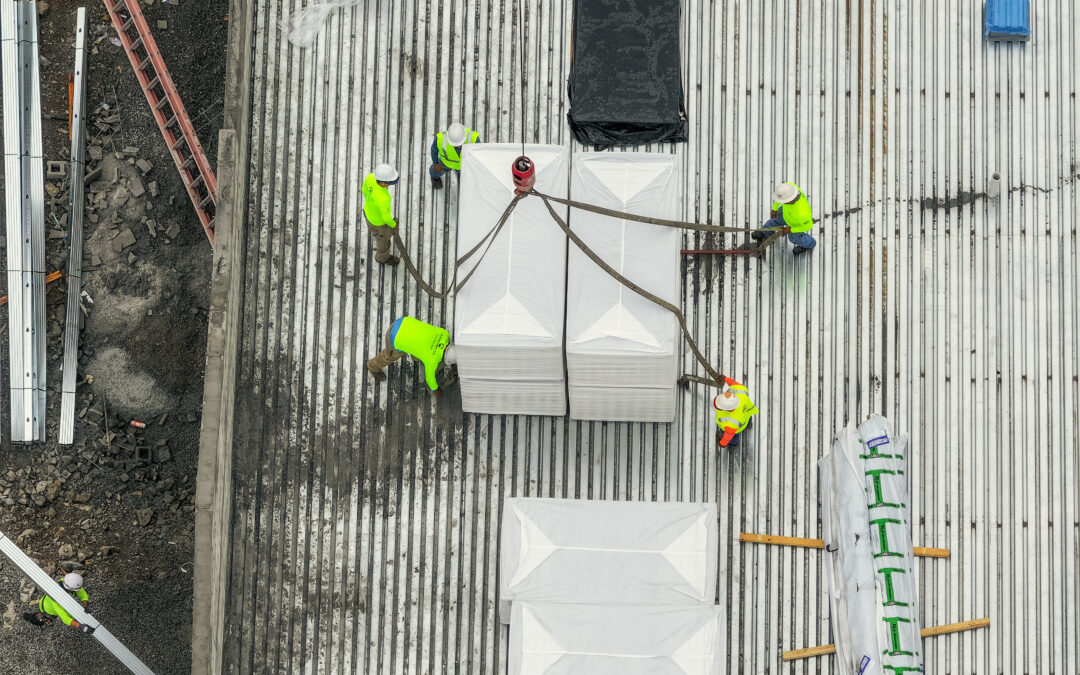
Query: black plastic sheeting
{"type": "Point", "coordinates": [625, 84]}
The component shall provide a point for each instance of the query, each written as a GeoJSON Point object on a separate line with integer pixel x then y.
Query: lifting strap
{"type": "Point", "coordinates": [486, 241]}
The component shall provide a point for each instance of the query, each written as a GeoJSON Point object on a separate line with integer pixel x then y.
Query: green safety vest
{"type": "Point", "coordinates": [797, 216]}
{"type": "Point", "coordinates": [424, 342]}
{"type": "Point", "coordinates": [740, 416]}
{"type": "Point", "coordinates": [377, 202]}
{"type": "Point", "coordinates": [448, 154]}
{"type": "Point", "coordinates": [48, 606]}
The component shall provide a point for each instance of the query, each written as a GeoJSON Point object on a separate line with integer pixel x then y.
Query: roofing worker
{"type": "Point", "coordinates": [377, 213]}
{"type": "Point", "coordinates": [733, 412]}
{"type": "Point", "coordinates": [429, 344]}
{"type": "Point", "coordinates": [446, 151]}
{"type": "Point", "coordinates": [48, 609]}
{"type": "Point", "coordinates": [790, 209]}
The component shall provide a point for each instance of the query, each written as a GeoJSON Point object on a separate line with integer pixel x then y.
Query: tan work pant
{"type": "Point", "coordinates": [382, 238]}
{"type": "Point", "coordinates": [385, 357]}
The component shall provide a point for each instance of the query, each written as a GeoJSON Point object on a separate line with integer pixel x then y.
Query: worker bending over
{"type": "Point", "coordinates": [377, 211]}
{"type": "Point", "coordinates": [790, 209]}
{"type": "Point", "coordinates": [734, 408]}
{"type": "Point", "coordinates": [426, 343]}
{"type": "Point", "coordinates": [446, 151]}
{"type": "Point", "coordinates": [49, 610]}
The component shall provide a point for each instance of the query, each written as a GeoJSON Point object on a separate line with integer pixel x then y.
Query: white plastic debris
{"type": "Point", "coordinates": [305, 25]}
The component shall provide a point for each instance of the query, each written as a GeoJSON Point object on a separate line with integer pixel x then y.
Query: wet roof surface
{"type": "Point", "coordinates": [366, 515]}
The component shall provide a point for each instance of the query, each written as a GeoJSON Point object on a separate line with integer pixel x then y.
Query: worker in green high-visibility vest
{"type": "Point", "coordinates": [790, 209]}
{"type": "Point", "coordinates": [446, 151]}
{"type": "Point", "coordinates": [428, 344]}
{"type": "Point", "coordinates": [377, 211]}
{"type": "Point", "coordinates": [48, 609]}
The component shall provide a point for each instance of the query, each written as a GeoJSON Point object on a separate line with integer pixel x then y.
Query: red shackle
{"type": "Point", "coordinates": [524, 174]}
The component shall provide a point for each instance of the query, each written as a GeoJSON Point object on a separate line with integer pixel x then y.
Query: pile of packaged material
{"type": "Point", "coordinates": [625, 84]}
{"type": "Point", "coordinates": [622, 351]}
{"type": "Point", "coordinates": [508, 321]}
{"type": "Point", "coordinates": [866, 503]}
{"type": "Point", "coordinates": [610, 587]}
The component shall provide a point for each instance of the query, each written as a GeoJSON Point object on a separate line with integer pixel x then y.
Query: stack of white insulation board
{"type": "Point", "coordinates": [622, 350]}
{"type": "Point", "coordinates": [866, 522]}
{"type": "Point", "coordinates": [615, 639]}
{"type": "Point", "coordinates": [610, 587]}
{"type": "Point", "coordinates": [508, 319]}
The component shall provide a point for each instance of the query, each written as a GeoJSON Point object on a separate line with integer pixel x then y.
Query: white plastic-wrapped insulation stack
{"type": "Point", "coordinates": [869, 564]}
{"type": "Point", "coordinates": [508, 318]}
{"type": "Point", "coordinates": [585, 551]}
{"type": "Point", "coordinates": [568, 639]}
{"type": "Point", "coordinates": [622, 351]}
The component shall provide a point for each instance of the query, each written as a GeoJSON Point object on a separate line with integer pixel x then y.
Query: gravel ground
{"type": "Point", "coordinates": [119, 505]}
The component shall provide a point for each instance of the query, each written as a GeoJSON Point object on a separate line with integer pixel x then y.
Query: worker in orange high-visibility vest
{"type": "Point", "coordinates": [734, 408]}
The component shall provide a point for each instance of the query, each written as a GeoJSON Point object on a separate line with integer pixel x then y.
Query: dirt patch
{"type": "Point", "coordinates": [120, 498]}
{"type": "Point", "coordinates": [129, 389]}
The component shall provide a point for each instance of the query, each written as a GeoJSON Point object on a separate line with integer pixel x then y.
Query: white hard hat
{"type": "Point", "coordinates": [386, 174]}
{"type": "Point", "coordinates": [726, 401]}
{"type": "Point", "coordinates": [72, 581]}
{"type": "Point", "coordinates": [784, 193]}
{"type": "Point", "coordinates": [455, 134]}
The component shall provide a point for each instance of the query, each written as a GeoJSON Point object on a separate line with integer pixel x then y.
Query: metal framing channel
{"type": "Point", "coordinates": [74, 276]}
{"type": "Point", "coordinates": [13, 198]}
{"type": "Point", "coordinates": [49, 587]}
{"type": "Point", "coordinates": [161, 94]}
{"type": "Point", "coordinates": [25, 219]}
{"type": "Point", "coordinates": [34, 165]}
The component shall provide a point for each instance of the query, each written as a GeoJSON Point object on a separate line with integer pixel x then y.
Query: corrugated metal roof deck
{"type": "Point", "coordinates": [366, 516]}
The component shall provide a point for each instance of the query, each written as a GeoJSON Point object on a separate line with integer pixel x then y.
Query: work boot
{"type": "Point", "coordinates": [391, 261]}
{"type": "Point", "coordinates": [37, 619]}
{"type": "Point", "coordinates": [379, 375]}
{"type": "Point", "coordinates": [799, 249]}
{"type": "Point", "coordinates": [758, 235]}
{"type": "Point", "coordinates": [436, 183]}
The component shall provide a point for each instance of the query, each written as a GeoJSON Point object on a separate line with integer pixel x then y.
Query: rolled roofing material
{"type": "Point", "coordinates": [866, 520]}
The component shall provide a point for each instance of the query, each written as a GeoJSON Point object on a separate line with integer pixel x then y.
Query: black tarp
{"type": "Point", "coordinates": [625, 84]}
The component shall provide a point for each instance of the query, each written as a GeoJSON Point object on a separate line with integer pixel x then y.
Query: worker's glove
{"type": "Point", "coordinates": [86, 608]}
{"type": "Point", "coordinates": [437, 392]}
{"type": "Point", "coordinates": [85, 628]}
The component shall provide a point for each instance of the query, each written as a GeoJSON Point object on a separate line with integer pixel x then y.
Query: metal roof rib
{"type": "Point", "coordinates": [365, 516]}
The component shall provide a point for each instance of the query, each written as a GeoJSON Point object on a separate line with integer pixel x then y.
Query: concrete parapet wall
{"type": "Point", "coordinates": [213, 498]}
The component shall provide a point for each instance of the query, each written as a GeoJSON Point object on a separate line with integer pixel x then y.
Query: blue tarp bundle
{"type": "Point", "coordinates": [1008, 20]}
